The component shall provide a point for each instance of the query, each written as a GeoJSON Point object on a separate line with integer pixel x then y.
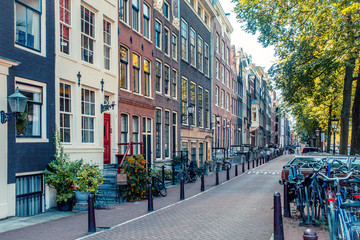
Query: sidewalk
{"type": "Point", "coordinates": [68, 225]}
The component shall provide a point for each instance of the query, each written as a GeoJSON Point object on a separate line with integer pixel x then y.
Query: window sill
{"type": "Point", "coordinates": [32, 140]}
{"type": "Point", "coordinates": [40, 53]}
{"type": "Point", "coordinates": [125, 24]}
{"type": "Point", "coordinates": [125, 90]}
{"type": "Point", "coordinates": [147, 39]}
{"type": "Point", "coordinates": [138, 33]}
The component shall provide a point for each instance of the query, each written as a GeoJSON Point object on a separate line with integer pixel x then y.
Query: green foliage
{"type": "Point", "coordinates": [177, 160]}
{"type": "Point", "coordinates": [135, 168]}
{"type": "Point", "coordinates": [89, 178]}
{"type": "Point", "coordinates": [158, 174]}
{"type": "Point", "coordinates": [200, 171]}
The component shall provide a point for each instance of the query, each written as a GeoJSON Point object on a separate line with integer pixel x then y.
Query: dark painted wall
{"type": "Point", "coordinates": [26, 157]}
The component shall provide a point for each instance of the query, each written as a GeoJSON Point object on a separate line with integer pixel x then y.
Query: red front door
{"type": "Point", "coordinates": [107, 139]}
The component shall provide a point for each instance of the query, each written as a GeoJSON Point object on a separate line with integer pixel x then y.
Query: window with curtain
{"type": "Point", "coordinates": [107, 44]}
{"type": "Point", "coordinates": [174, 83]}
{"type": "Point", "coordinates": [87, 35]}
{"type": "Point", "coordinates": [123, 10]}
{"type": "Point", "coordinates": [166, 80]}
{"type": "Point", "coordinates": [158, 133]}
{"type": "Point", "coordinates": [146, 10]}
{"type": "Point", "coordinates": [184, 40]}
{"type": "Point", "coordinates": [135, 15]}
{"type": "Point", "coordinates": [28, 21]}
{"type": "Point", "coordinates": [124, 56]}
{"type": "Point", "coordinates": [147, 80]}
{"type": "Point", "coordinates": [87, 115]}
{"type": "Point", "coordinates": [167, 134]}
{"type": "Point", "coordinates": [158, 74]}
{"type": "Point", "coordinates": [124, 131]}
{"type": "Point", "coordinates": [28, 124]}
{"type": "Point", "coordinates": [184, 100]}
{"type": "Point", "coordinates": [136, 73]}
{"type": "Point", "coordinates": [136, 134]}
{"type": "Point", "coordinates": [65, 113]}
{"type": "Point", "coordinates": [192, 47]}
{"type": "Point", "coordinates": [65, 25]}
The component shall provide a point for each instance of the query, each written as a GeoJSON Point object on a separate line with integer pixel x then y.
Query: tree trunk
{"type": "Point", "coordinates": [355, 134]}
{"type": "Point", "coordinates": [345, 112]}
{"type": "Point", "coordinates": [329, 130]}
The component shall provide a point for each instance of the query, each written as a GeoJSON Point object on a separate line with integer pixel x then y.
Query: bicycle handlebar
{"type": "Point", "coordinates": [335, 178]}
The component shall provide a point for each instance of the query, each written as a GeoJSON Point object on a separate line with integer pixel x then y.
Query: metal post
{"type": "Point", "coordinates": [163, 173]}
{"type": "Point", "coordinates": [150, 199]}
{"type": "Point", "coordinates": [257, 162]}
{"type": "Point", "coordinates": [286, 201]}
{"type": "Point", "coordinates": [202, 183]}
{"type": "Point", "coordinates": [334, 144]}
{"type": "Point", "coordinates": [217, 178]}
{"type": "Point", "coordinates": [182, 190]}
{"type": "Point", "coordinates": [227, 173]}
{"type": "Point", "coordinates": [236, 170]}
{"type": "Point", "coordinates": [248, 165]}
{"type": "Point", "coordinates": [278, 223]}
{"type": "Point", "coordinates": [173, 173]}
{"type": "Point", "coordinates": [91, 214]}
{"type": "Point", "coordinates": [253, 163]}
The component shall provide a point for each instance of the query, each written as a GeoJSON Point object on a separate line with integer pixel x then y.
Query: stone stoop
{"type": "Point", "coordinates": [108, 191]}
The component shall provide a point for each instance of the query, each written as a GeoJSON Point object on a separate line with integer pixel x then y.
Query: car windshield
{"type": "Point", "coordinates": [337, 161]}
{"type": "Point", "coordinates": [305, 160]}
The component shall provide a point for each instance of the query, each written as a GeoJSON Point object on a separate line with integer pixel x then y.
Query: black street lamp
{"type": "Point", "coordinates": [334, 123]}
{"type": "Point", "coordinates": [228, 130]}
{"type": "Point", "coordinates": [17, 103]}
{"type": "Point", "coordinates": [218, 119]}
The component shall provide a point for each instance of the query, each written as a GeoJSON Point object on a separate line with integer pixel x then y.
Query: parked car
{"type": "Point", "coordinates": [310, 150]}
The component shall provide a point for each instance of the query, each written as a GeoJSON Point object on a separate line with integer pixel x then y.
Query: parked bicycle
{"type": "Point", "coordinates": [158, 186]}
{"type": "Point", "coordinates": [187, 173]}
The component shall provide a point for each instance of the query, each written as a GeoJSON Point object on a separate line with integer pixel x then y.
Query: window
{"type": "Point", "coordinates": [158, 34]}
{"type": "Point", "coordinates": [206, 19]}
{"type": "Point", "coordinates": [28, 21]}
{"type": "Point", "coordinates": [174, 132]}
{"type": "Point", "coordinates": [167, 134]}
{"type": "Point", "coordinates": [136, 73]}
{"type": "Point", "coordinates": [184, 40]}
{"type": "Point", "coordinates": [65, 113]}
{"type": "Point", "coordinates": [123, 10]}
{"type": "Point", "coordinates": [199, 10]}
{"type": "Point", "coordinates": [216, 96]}
{"type": "Point", "coordinates": [201, 152]}
{"type": "Point", "coordinates": [147, 79]}
{"type": "Point", "coordinates": [124, 132]}
{"type": "Point", "coordinates": [174, 83]}
{"type": "Point", "coordinates": [65, 25]}
{"type": "Point", "coordinates": [223, 50]}
{"type": "Point", "coordinates": [200, 108]}
{"type": "Point", "coordinates": [136, 134]}
{"type": "Point", "coordinates": [166, 41]}
{"type": "Point", "coordinates": [200, 54]}
{"type": "Point", "coordinates": [193, 152]}
{"type": "Point", "coordinates": [158, 133]}
{"type": "Point", "coordinates": [146, 21]}
{"type": "Point", "coordinates": [167, 80]}
{"type": "Point", "coordinates": [228, 78]}
{"type": "Point", "coordinates": [217, 69]}
{"type": "Point", "coordinates": [192, 47]}
{"type": "Point", "coordinates": [223, 74]}
{"type": "Point", "coordinates": [158, 76]}
{"type": "Point", "coordinates": [192, 3]}
{"type": "Point", "coordinates": [107, 44]}
{"type": "Point", "coordinates": [227, 55]}
{"type": "Point", "coordinates": [87, 35]}
{"type": "Point", "coordinates": [166, 10]}
{"type": "Point", "coordinates": [207, 110]}
{"type": "Point", "coordinates": [28, 124]}
{"type": "Point", "coordinates": [193, 101]}
{"type": "Point", "coordinates": [217, 43]}
{"type": "Point", "coordinates": [87, 115]}
{"type": "Point", "coordinates": [222, 98]}
{"type": "Point", "coordinates": [174, 46]}
{"type": "Point", "coordinates": [227, 101]}
{"type": "Point", "coordinates": [206, 59]}
{"type": "Point", "coordinates": [184, 95]}
{"type": "Point", "coordinates": [135, 15]}
{"type": "Point", "coordinates": [123, 67]}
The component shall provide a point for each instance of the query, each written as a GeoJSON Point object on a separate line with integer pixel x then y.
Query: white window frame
{"type": "Point", "coordinates": [184, 36]}
{"type": "Point", "coordinates": [174, 48]}
{"type": "Point", "coordinates": [158, 75]}
{"type": "Point", "coordinates": [160, 132]}
{"type": "Point", "coordinates": [64, 112]}
{"type": "Point", "coordinates": [174, 87]}
{"type": "Point", "coordinates": [149, 74]}
{"type": "Point", "coordinates": [127, 68]}
{"type": "Point", "coordinates": [222, 74]}
{"type": "Point", "coordinates": [168, 10]}
{"type": "Point", "coordinates": [169, 80]}
{"type": "Point", "coordinates": [159, 34]}
{"type": "Point", "coordinates": [65, 25]}
{"type": "Point", "coordinates": [167, 41]}
{"type": "Point", "coordinates": [216, 96]}
{"type": "Point", "coordinates": [107, 44]}
{"type": "Point", "coordinates": [124, 17]}
{"type": "Point", "coordinates": [201, 106]}
{"type": "Point", "coordinates": [123, 147]}
{"type": "Point", "coordinates": [147, 25]}
{"type": "Point", "coordinates": [138, 68]}
{"type": "Point", "coordinates": [136, 9]}
{"type": "Point", "coordinates": [192, 47]}
{"type": "Point", "coordinates": [89, 115]}
{"type": "Point", "coordinates": [222, 98]}
{"type": "Point", "coordinates": [217, 69]}
{"type": "Point", "coordinates": [89, 37]}
{"type": "Point", "coordinates": [206, 59]}
{"type": "Point", "coordinates": [200, 53]}
{"type": "Point", "coordinates": [168, 141]}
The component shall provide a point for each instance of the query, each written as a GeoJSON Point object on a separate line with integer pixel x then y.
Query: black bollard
{"type": "Point", "coordinates": [286, 201]}
{"type": "Point", "coordinates": [248, 165]}
{"type": "Point", "coordinates": [253, 164]}
{"type": "Point", "coordinates": [243, 167]}
{"type": "Point", "coordinates": [236, 170]}
{"type": "Point", "coordinates": [227, 173]}
{"type": "Point", "coordinates": [163, 173]}
{"type": "Point", "coordinates": [182, 190]}
{"type": "Point", "coordinates": [91, 214]}
{"type": "Point", "coordinates": [257, 162]}
{"type": "Point", "coordinates": [278, 223]}
{"type": "Point", "coordinates": [217, 178]}
{"type": "Point", "coordinates": [150, 199]}
{"type": "Point", "coordinates": [310, 234]}
{"type": "Point", "coordinates": [202, 183]}
{"type": "Point", "coordinates": [173, 173]}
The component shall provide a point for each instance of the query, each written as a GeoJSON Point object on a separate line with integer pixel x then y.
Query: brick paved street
{"type": "Point", "coordinates": [237, 209]}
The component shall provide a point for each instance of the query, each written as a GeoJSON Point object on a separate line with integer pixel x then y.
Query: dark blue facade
{"type": "Point", "coordinates": [37, 66]}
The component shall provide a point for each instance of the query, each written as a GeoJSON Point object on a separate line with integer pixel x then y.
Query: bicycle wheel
{"type": "Point", "coordinates": [227, 165]}
{"type": "Point", "coordinates": [182, 176]}
{"type": "Point", "coordinates": [330, 214]}
{"type": "Point", "coordinates": [340, 233]}
{"type": "Point", "coordinates": [160, 187]}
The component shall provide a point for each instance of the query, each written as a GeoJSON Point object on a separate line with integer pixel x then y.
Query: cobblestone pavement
{"type": "Point", "coordinates": [237, 209]}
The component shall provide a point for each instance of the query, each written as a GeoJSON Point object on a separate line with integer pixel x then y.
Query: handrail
{"type": "Point", "coordinates": [129, 147]}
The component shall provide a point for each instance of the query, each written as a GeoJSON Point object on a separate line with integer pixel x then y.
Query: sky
{"type": "Point", "coordinates": [261, 56]}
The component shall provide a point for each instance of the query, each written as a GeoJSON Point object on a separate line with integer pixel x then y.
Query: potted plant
{"type": "Point", "coordinates": [61, 175]}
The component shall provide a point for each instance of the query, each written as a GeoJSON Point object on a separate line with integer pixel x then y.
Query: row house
{"type": "Point", "coordinates": [222, 80]}
{"type": "Point", "coordinates": [195, 77]}
{"type": "Point", "coordinates": [26, 66]}
{"type": "Point", "coordinates": [166, 75]}
{"type": "Point", "coordinates": [136, 104]}
{"type": "Point", "coordinates": [86, 78]}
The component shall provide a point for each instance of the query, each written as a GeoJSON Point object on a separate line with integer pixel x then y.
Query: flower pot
{"type": "Point", "coordinates": [65, 205]}
{"type": "Point", "coordinates": [82, 197]}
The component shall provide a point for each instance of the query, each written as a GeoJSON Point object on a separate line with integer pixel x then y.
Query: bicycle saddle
{"type": "Point", "coordinates": [350, 205]}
